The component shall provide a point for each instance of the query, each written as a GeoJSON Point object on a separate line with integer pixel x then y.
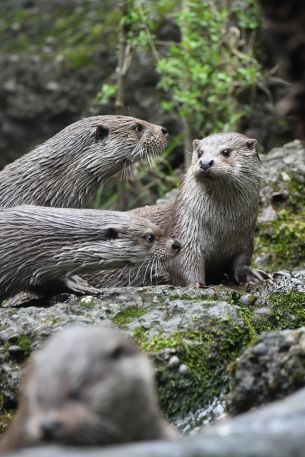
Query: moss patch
{"type": "Point", "coordinates": [125, 316]}
{"type": "Point", "coordinates": [206, 353]}
{"type": "Point", "coordinates": [282, 240]}
{"type": "Point", "coordinates": [25, 343]}
{"type": "Point", "coordinates": [287, 311]}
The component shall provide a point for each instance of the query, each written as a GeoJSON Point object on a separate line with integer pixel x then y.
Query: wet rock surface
{"type": "Point", "coordinates": [276, 430]}
{"type": "Point", "coordinates": [190, 334]}
{"type": "Point", "coordinates": [269, 370]}
{"type": "Point", "coordinates": [279, 242]}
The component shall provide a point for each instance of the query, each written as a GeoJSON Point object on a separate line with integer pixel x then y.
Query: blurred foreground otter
{"type": "Point", "coordinates": [87, 386]}
{"type": "Point", "coordinates": [68, 169]}
{"type": "Point", "coordinates": [43, 249]}
{"type": "Point", "coordinates": [214, 217]}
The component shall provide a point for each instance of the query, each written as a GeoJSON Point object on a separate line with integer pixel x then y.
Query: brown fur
{"type": "Point", "coordinates": [214, 216]}
{"type": "Point", "coordinates": [87, 386]}
{"type": "Point", "coordinates": [69, 168]}
{"type": "Point", "coordinates": [44, 249]}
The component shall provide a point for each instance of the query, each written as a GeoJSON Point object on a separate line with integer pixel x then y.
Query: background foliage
{"type": "Point", "coordinates": [208, 76]}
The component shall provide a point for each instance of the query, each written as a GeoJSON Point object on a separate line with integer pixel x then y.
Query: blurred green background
{"type": "Point", "coordinates": [196, 67]}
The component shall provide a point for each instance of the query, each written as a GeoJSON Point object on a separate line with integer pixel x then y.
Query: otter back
{"type": "Point", "coordinates": [43, 249]}
{"type": "Point", "coordinates": [67, 170]}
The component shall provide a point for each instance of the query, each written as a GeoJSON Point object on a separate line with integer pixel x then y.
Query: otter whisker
{"type": "Point", "coordinates": [152, 269]}
{"type": "Point", "coordinates": [139, 269]}
{"type": "Point", "coordinates": [147, 269]}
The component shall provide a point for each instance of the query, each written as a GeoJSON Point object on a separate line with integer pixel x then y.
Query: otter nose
{"type": "Point", "coordinates": [49, 429]}
{"type": "Point", "coordinates": [164, 130]}
{"type": "Point", "coordinates": [176, 245]}
{"type": "Point", "coordinates": [205, 164]}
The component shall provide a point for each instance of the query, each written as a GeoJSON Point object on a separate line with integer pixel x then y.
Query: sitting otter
{"type": "Point", "coordinates": [214, 216]}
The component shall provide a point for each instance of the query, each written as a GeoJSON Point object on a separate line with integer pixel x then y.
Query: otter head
{"type": "Point", "coordinates": [224, 157]}
{"type": "Point", "coordinates": [88, 386]}
{"type": "Point", "coordinates": [119, 141]}
{"type": "Point", "coordinates": [159, 248]}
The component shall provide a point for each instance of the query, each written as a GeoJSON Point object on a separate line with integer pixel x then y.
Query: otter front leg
{"type": "Point", "coordinates": [79, 286]}
{"type": "Point", "coordinates": [189, 272]}
{"type": "Point", "coordinates": [243, 273]}
{"type": "Point", "coordinates": [69, 284]}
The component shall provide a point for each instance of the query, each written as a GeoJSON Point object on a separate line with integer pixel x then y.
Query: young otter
{"type": "Point", "coordinates": [213, 215]}
{"type": "Point", "coordinates": [87, 386]}
{"type": "Point", "coordinates": [42, 249]}
{"type": "Point", "coordinates": [67, 170]}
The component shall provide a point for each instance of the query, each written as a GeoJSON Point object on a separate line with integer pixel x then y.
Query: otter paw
{"type": "Point", "coordinates": [200, 285]}
{"type": "Point", "coordinates": [248, 274]}
{"type": "Point", "coordinates": [79, 286]}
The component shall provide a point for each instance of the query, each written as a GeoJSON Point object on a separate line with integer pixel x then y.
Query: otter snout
{"type": "Point", "coordinates": [165, 131]}
{"type": "Point", "coordinates": [49, 428]}
{"type": "Point", "coordinates": [205, 164]}
{"type": "Point", "coordinates": [176, 246]}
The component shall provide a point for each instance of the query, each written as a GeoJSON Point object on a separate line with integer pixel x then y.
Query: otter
{"type": "Point", "coordinates": [68, 169]}
{"type": "Point", "coordinates": [87, 386]}
{"type": "Point", "coordinates": [45, 249]}
{"type": "Point", "coordinates": [214, 216]}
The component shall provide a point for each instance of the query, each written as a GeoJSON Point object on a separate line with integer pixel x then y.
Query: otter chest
{"type": "Point", "coordinates": [223, 235]}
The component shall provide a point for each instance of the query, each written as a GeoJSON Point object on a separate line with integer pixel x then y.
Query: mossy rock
{"type": "Point", "coordinates": [191, 335]}
{"type": "Point", "coordinates": [280, 242]}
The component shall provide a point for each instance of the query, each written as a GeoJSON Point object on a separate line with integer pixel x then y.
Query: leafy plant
{"type": "Point", "coordinates": [202, 75]}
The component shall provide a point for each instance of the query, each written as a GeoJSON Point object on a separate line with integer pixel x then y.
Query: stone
{"type": "Point", "coordinates": [276, 430]}
{"type": "Point", "coordinates": [268, 370]}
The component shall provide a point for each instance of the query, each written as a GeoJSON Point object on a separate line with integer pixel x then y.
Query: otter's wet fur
{"type": "Point", "coordinates": [214, 216]}
{"type": "Point", "coordinates": [87, 386]}
{"type": "Point", "coordinates": [69, 168]}
{"type": "Point", "coordinates": [44, 249]}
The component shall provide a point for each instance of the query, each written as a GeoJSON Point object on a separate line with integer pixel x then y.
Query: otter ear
{"type": "Point", "coordinates": [124, 348]}
{"type": "Point", "coordinates": [252, 145]}
{"type": "Point", "coordinates": [101, 132]}
{"type": "Point", "coordinates": [196, 143]}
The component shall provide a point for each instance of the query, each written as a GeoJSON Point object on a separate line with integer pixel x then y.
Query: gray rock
{"type": "Point", "coordinates": [273, 431]}
{"type": "Point", "coordinates": [268, 370]}
{"type": "Point", "coordinates": [201, 329]}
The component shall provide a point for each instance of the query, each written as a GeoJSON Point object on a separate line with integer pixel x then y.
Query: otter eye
{"type": "Point", "coordinates": [137, 127]}
{"type": "Point", "coordinates": [117, 352]}
{"type": "Point", "coordinates": [150, 237]}
{"type": "Point", "coordinates": [112, 234]}
{"type": "Point", "coordinates": [199, 154]}
{"type": "Point", "coordinates": [74, 395]}
{"type": "Point", "coordinates": [226, 152]}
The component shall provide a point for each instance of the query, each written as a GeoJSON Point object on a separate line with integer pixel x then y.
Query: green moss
{"type": "Point", "coordinates": [127, 314]}
{"type": "Point", "coordinates": [6, 415]}
{"type": "Point", "coordinates": [5, 419]}
{"type": "Point", "coordinates": [282, 240]}
{"type": "Point", "coordinates": [287, 312]}
{"type": "Point", "coordinates": [289, 309]}
{"type": "Point", "coordinates": [25, 343]}
{"type": "Point", "coordinates": [206, 353]}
